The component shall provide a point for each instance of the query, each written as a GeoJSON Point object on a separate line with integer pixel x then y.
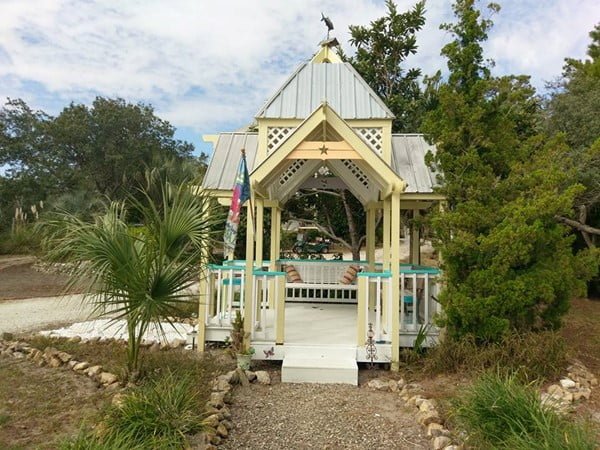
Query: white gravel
{"type": "Point", "coordinates": [20, 316]}
{"type": "Point", "coordinates": [110, 329]}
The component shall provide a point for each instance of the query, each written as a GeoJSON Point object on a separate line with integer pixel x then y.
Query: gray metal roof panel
{"type": "Point", "coordinates": [223, 166]}
{"type": "Point", "coordinates": [408, 161]}
{"type": "Point", "coordinates": [338, 84]}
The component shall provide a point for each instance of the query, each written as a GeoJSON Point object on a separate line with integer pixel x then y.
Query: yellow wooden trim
{"type": "Point", "coordinates": [317, 154]}
{"type": "Point", "coordinates": [280, 334]}
{"type": "Point", "coordinates": [323, 145]}
{"type": "Point", "coordinates": [210, 138]}
{"type": "Point", "coordinates": [270, 164]}
{"type": "Point", "coordinates": [258, 190]}
{"type": "Point", "coordinates": [361, 322]}
{"type": "Point", "coordinates": [395, 269]}
{"type": "Point", "coordinates": [326, 55]}
{"type": "Point", "coordinates": [260, 222]}
{"type": "Point", "coordinates": [386, 256]}
{"type": "Point", "coordinates": [369, 123]}
{"type": "Point", "coordinates": [386, 138]}
{"type": "Point", "coordinates": [422, 196]}
{"type": "Point", "coordinates": [414, 204]}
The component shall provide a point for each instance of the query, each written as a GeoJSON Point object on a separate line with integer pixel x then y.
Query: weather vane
{"type": "Point", "coordinates": [328, 24]}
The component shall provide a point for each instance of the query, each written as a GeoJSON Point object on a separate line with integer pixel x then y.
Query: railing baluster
{"type": "Point", "coordinates": [378, 310]}
{"type": "Point", "coordinates": [415, 307]}
{"type": "Point", "coordinates": [426, 297]}
{"type": "Point", "coordinates": [402, 293]}
{"type": "Point", "coordinates": [230, 295]}
{"type": "Point", "coordinates": [263, 306]}
{"type": "Point", "coordinates": [219, 288]}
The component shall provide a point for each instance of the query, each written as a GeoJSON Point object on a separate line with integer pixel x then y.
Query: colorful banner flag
{"type": "Point", "coordinates": [241, 193]}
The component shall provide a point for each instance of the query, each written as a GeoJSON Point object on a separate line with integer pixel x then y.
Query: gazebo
{"type": "Point", "coordinates": [322, 317]}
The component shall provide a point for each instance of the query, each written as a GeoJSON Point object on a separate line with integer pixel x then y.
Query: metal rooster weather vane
{"type": "Point", "coordinates": [328, 24]}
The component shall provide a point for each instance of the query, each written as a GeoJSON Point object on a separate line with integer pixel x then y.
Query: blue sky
{"type": "Point", "coordinates": [208, 66]}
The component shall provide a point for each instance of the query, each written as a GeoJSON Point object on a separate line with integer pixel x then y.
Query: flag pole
{"type": "Point", "coordinates": [250, 205]}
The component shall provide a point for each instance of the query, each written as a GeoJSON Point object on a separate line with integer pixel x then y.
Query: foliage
{"type": "Point", "coordinates": [533, 356]}
{"type": "Point", "coordinates": [141, 278]}
{"type": "Point", "coordinates": [158, 415]}
{"type": "Point", "coordinates": [499, 412]}
{"type": "Point", "coordinates": [574, 109]}
{"type": "Point", "coordinates": [381, 52]}
{"type": "Point", "coordinates": [507, 261]}
{"type": "Point", "coordinates": [84, 152]}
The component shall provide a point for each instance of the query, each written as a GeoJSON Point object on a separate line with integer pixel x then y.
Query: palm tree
{"type": "Point", "coordinates": [138, 274]}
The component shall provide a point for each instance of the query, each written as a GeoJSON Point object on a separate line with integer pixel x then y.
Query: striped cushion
{"type": "Point", "coordinates": [292, 274]}
{"type": "Point", "coordinates": [350, 274]}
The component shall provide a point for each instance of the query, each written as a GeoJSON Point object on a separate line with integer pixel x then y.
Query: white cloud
{"type": "Point", "coordinates": [207, 64]}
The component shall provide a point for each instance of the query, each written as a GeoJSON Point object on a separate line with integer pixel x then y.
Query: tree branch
{"type": "Point", "coordinates": [579, 226]}
{"type": "Point", "coordinates": [329, 233]}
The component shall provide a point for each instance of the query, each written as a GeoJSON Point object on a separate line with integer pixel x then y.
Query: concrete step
{"type": "Point", "coordinates": [320, 364]}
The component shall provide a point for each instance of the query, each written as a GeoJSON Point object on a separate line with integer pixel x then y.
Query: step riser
{"type": "Point", "coordinates": [319, 375]}
{"type": "Point", "coordinates": [315, 352]}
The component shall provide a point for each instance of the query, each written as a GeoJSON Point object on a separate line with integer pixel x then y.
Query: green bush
{"type": "Point", "coordinates": [498, 411]}
{"type": "Point", "coordinates": [534, 356]}
{"type": "Point", "coordinates": [22, 241]}
{"type": "Point", "coordinates": [163, 412]}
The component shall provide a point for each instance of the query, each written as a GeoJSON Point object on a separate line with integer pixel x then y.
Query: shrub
{"type": "Point", "coordinates": [163, 412]}
{"type": "Point", "coordinates": [534, 356]}
{"type": "Point", "coordinates": [498, 411]}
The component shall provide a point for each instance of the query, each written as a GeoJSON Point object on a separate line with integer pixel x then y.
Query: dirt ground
{"type": "Point", "coordinates": [19, 280]}
{"type": "Point", "coordinates": [40, 406]}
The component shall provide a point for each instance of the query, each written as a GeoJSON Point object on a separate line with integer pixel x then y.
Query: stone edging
{"type": "Point", "coordinates": [54, 358]}
{"type": "Point", "coordinates": [427, 414]}
{"type": "Point", "coordinates": [218, 423]}
{"type": "Point", "coordinates": [577, 385]}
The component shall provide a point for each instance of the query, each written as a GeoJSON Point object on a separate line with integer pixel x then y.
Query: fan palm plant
{"type": "Point", "coordinates": [141, 275]}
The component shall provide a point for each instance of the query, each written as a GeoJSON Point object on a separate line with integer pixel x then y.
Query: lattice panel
{"type": "Point", "coordinates": [361, 177]}
{"type": "Point", "coordinates": [291, 171]}
{"type": "Point", "coordinates": [276, 135]}
{"type": "Point", "coordinates": [373, 137]}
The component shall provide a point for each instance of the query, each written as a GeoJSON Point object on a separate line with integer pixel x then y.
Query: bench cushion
{"type": "Point", "coordinates": [292, 274]}
{"type": "Point", "coordinates": [350, 274]}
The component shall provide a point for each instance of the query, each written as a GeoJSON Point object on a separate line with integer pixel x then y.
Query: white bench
{"type": "Point", "coordinates": [320, 282]}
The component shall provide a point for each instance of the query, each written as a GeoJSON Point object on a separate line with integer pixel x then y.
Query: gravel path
{"type": "Point", "coordinates": [17, 316]}
{"type": "Point", "coordinates": [311, 416]}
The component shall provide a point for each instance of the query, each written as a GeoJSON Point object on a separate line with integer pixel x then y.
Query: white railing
{"type": "Point", "coordinates": [375, 306]}
{"type": "Point", "coordinates": [418, 288]}
{"type": "Point", "coordinates": [224, 294]}
{"type": "Point", "coordinates": [268, 303]}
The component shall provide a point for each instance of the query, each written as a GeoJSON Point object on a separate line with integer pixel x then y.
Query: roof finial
{"type": "Point", "coordinates": [328, 24]}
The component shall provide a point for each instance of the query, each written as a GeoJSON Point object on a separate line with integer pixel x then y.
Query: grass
{"type": "Point", "coordinates": [165, 410]}
{"type": "Point", "coordinates": [534, 356]}
{"type": "Point", "coordinates": [499, 411]}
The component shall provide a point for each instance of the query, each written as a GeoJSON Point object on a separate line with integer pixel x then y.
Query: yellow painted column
{"type": "Point", "coordinates": [395, 269]}
{"type": "Point", "coordinates": [203, 300]}
{"type": "Point", "coordinates": [248, 281]}
{"type": "Point", "coordinates": [386, 255]}
{"type": "Point", "coordinates": [361, 322]}
{"type": "Point", "coordinates": [274, 247]}
{"type": "Point", "coordinates": [371, 253]}
{"type": "Point", "coordinates": [260, 219]}
{"type": "Point", "coordinates": [415, 240]}
{"type": "Point", "coordinates": [280, 327]}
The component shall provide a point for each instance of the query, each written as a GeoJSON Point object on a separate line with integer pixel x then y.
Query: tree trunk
{"type": "Point", "coordinates": [355, 240]}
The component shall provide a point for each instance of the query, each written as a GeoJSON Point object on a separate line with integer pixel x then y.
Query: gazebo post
{"type": "Point", "coordinates": [371, 250]}
{"type": "Point", "coordinates": [395, 269]}
{"type": "Point", "coordinates": [386, 255]}
{"type": "Point", "coordinates": [275, 245]}
{"type": "Point", "coordinates": [415, 239]}
{"type": "Point", "coordinates": [249, 277]}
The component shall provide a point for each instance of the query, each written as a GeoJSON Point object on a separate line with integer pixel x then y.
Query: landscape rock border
{"type": "Point", "coordinates": [217, 423]}
{"type": "Point", "coordinates": [576, 386]}
{"type": "Point", "coordinates": [53, 358]}
{"type": "Point", "coordinates": [427, 414]}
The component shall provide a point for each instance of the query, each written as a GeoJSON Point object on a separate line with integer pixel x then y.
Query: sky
{"type": "Point", "coordinates": [208, 66]}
